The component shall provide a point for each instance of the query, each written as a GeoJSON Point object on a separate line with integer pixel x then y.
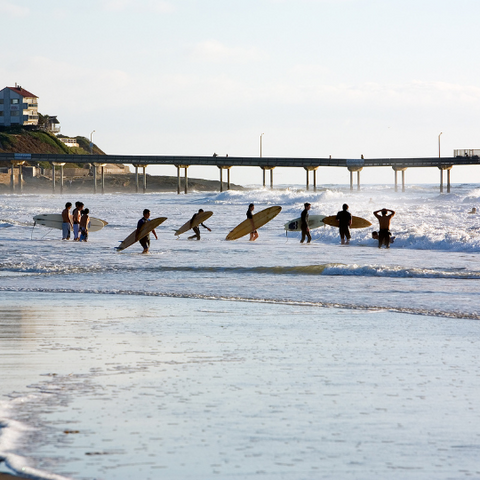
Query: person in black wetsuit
{"type": "Point", "coordinates": [253, 233]}
{"type": "Point", "coordinates": [304, 224]}
{"type": "Point", "coordinates": [344, 218]}
{"type": "Point", "coordinates": [145, 241]}
{"type": "Point", "coordinates": [384, 221]}
{"type": "Point", "coordinates": [196, 229]}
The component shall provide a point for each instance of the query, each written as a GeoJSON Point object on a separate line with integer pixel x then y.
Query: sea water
{"type": "Point", "coordinates": [237, 359]}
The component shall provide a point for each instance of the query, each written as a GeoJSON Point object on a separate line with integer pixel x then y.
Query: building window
{"type": "Point", "coordinates": [14, 101]}
{"type": "Point", "coordinates": [1, 101]}
{"type": "Point", "coordinates": [1, 113]}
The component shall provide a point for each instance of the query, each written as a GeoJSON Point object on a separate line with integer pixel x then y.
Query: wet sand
{"type": "Point", "coordinates": [149, 387]}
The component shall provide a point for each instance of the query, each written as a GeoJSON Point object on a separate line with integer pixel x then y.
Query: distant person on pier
{"type": "Point", "coordinates": [384, 220]}
{"type": "Point", "coordinates": [76, 215]}
{"type": "Point", "coordinates": [253, 233]}
{"type": "Point", "coordinates": [344, 218]}
{"type": "Point", "coordinates": [197, 228]}
{"type": "Point", "coordinates": [145, 241]}
{"type": "Point", "coordinates": [67, 225]}
{"type": "Point", "coordinates": [304, 224]}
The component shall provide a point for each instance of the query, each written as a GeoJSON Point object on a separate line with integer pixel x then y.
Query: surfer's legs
{"type": "Point", "coordinates": [253, 236]}
{"type": "Point", "coordinates": [197, 233]}
{"type": "Point", "coordinates": [306, 234]}
{"type": "Point", "coordinates": [65, 231]}
{"type": "Point", "coordinates": [145, 243]}
{"type": "Point", "coordinates": [76, 232]}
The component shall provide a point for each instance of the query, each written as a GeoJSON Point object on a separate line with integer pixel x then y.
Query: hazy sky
{"type": "Point", "coordinates": [380, 78]}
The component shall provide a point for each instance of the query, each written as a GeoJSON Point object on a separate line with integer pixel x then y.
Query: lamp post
{"type": "Point", "coordinates": [439, 144]}
{"type": "Point", "coordinates": [91, 142]}
{"type": "Point", "coordinates": [261, 138]}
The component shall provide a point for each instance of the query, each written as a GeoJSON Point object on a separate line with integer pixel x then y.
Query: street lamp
{"type": "Point", "coordinates": [261, 137]}
{"type": "Point", "coordinates": [91, 142]}
{"type": "Point", "coordinates": [439, 144]}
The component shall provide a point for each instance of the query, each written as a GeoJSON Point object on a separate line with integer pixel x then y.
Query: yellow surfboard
{"type": "Point", "coordinates": [259, 219]}
{"type": "Point", "coordinates": [357, 222]}
{"type": "Point", "coordinates": [200, 218]}
{"type": "Point", "coordinates": [144, 231]}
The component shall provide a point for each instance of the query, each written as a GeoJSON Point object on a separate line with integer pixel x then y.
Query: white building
{"type": "Point", "coordinates": [18, 107]}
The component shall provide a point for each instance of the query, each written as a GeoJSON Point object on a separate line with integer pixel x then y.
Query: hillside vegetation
{"type": "Point", "coordinates": [27, 141]}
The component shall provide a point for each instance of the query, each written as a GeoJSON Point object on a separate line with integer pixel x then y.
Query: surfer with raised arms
{"type": "Point", "coordinates": [145, 241]}
{"type": "Point", "coordinates": [253, 233]}
{"type": "Point", "coordinates": [67, 225]}
{"type": "Point", "coordinates": [384, 220]}
{"type": "Point", "coordinates": [344, 218]}
{"type": "Point", "coordinates": [304, 224]}
{"type": "Point", "coordinates": [196, 229]}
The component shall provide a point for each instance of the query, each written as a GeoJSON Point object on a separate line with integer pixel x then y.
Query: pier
{"type": "Point", "coordinates": [266, 164]}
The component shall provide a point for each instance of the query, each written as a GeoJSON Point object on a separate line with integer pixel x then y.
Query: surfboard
{"type": "Point", "coordinates": [54, 220]}
{"type": "Point", "coordinates": [259, 219]}
{"type": "Point", "coordinates": [357, 222]}
{"type": "Point", "coordinates": [200, 218]}
{"type": "Point", "coordinates": [314, 221]}
{"type": "Point", "coordinates": [144, 231]}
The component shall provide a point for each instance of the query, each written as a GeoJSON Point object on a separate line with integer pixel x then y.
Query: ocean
{"type": "Point", "coordinates": [216, 359]}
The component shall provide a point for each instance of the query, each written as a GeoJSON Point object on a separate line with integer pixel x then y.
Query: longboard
{"type": "Point", "coordinates": [314, 221]}
{"type": "Point", "coordinates": [55, 220]}
{"type": "Point", "coordinates": [144, 231]}
{"type": "Point", "coordinates": [200, 218]}
{"type": "Point", "coordinates": [259, 219]}
{"type": "Point", "coordinates": [357, 222]}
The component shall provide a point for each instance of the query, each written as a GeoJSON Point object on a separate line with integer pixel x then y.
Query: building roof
{"type": "Point", "coordinates": [21, 91]}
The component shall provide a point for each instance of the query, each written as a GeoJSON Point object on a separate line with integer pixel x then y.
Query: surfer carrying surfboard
{"type": "Point", "coordinates": [344, 218]}
{"type": "Point", "coordinates": [196, 228]}
{"type": "Point", "coordinates": [304, 224]}
{"type": "Point", "coordinates": [145, 241]}
{"type": "Point", "coordinates": [253, 233]}
{"type": "Point", "coordinates": [76, 215]}
{"type": "Point", "coordinates": [67, 225]}
{"type": "Point", "coordinates": [384, 220]}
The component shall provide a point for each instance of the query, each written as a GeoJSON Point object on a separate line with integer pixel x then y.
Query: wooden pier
{"type": "Point", "coordinates": [311, 166]}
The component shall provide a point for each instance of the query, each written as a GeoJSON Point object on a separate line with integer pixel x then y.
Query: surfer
{"type": "Point", "coordinates": [196, 229]}
{"type": "Point", "coordinates": [253, 233]}
{"type": "Point", "coordinates": [344, 218]}
{"type": "Point", "coordinates": [67, 225]}
{"type": "Point", "coordinates": [304, 224]}
{"type": "Point", "coordinates": [76, 214]}
{"type": "Point", "coordinates": [145, 241]}
{"type": "Point", "coordinates": [384, 220]}
{"type": "Point", "coordinates": [84, 225]}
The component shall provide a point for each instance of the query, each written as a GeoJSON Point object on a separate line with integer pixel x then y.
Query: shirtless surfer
{"type": "Point", "coordinates": [76, 216]}
{"type": "Point", "coordinates": [67, 224]}
{"type": "Point", "coordinates": [384, 221]}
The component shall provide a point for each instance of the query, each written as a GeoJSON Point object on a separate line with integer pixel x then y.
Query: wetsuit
{"type": "Point", "coordinates": [145, 241]}
{"type": "Point", "coordinates": [304, 227]}
{"type": "Point", "coordinates": [344, 218]}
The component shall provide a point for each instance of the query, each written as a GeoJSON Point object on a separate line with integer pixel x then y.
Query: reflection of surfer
{"type": "Point", "coordinates": [145, 241]}
{"type": "Point", "coordinates": [384, 221]}
{"type": "Point", "coordinates": [304, 224]}
{"type": "Point", "coordinates": [253, 233]}
{"type": "Point", "coordinates": [196, 229]}
{"type": "Point", "coordinates": [344, 218]}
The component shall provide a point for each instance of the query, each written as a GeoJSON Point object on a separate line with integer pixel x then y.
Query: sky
{"type": "Point", "coordinates": [379, 78]}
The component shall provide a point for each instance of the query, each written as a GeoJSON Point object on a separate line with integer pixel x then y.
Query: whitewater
{"type": "Point", "coordinates": [271, 359]}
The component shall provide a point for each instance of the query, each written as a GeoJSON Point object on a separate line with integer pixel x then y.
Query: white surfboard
{"type": "Point", "coordinates": [54, 220]}
{"type": "Point", "coordinates": [314, 221]}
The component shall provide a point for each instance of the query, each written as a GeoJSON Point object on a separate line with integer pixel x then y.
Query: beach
{"type": "Point", "coordinates": [238, 359]}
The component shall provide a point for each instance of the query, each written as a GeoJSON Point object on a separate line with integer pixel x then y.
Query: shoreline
{"type": "Point", "coordinates": [114, 183]}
